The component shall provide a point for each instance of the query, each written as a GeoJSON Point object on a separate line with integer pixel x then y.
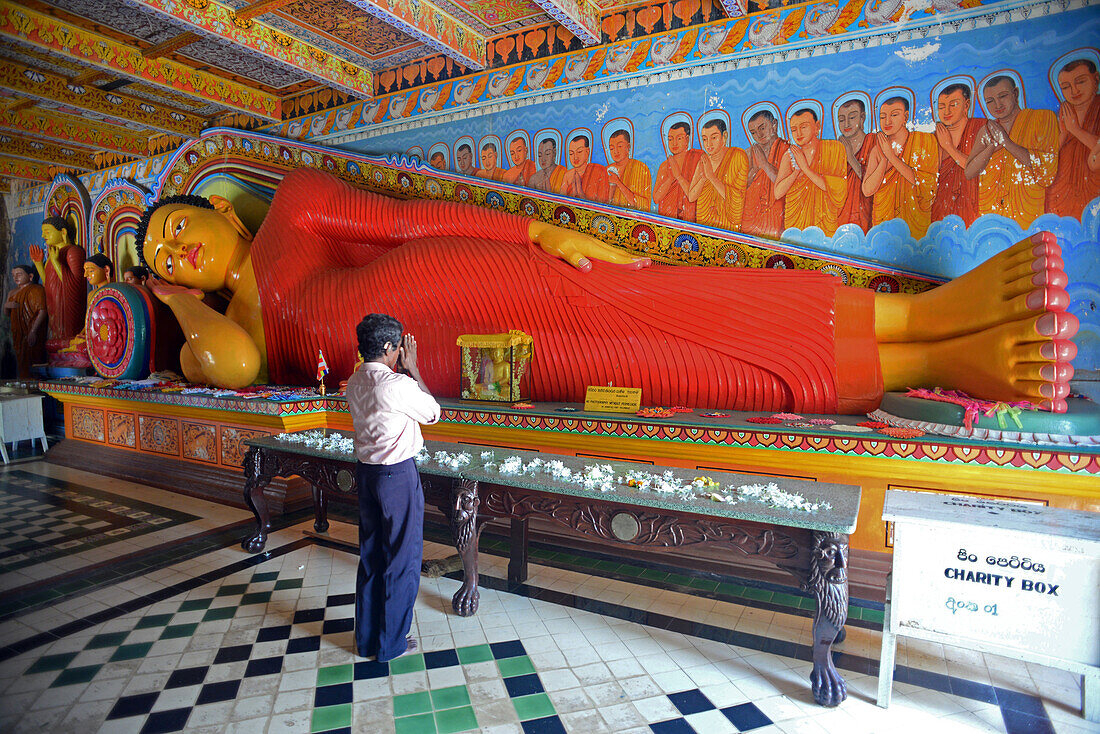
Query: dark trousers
{"type": "Point", "coordinates": [391, 547]}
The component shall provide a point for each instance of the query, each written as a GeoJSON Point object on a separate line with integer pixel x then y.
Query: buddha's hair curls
{"type": "Point", "coordinates": [139, 236]}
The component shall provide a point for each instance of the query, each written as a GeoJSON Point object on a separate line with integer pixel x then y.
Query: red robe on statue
{"type": "Point", "coordinates": [756, 339]}
{"type": "Point", "coordinates": [955, 193]}
{"type": "Point", "coordinates": [66, 297]}
{"type": "Point", "coordinates": [857, 207]}
{"type": "Point", "coordinates": [1075, 184]}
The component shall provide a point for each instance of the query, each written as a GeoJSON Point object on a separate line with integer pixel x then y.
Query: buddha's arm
{"type": "Point", "coordinates": [219, 351]}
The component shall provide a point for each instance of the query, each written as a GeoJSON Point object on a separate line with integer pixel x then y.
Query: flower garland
{"type": "Point", "coordinates": [336, 443]}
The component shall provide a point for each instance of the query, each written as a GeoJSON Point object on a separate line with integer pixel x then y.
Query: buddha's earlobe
{"type": "Point", "coordinates": [225, 207]}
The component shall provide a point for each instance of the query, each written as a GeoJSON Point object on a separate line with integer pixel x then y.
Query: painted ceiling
{"type": "Point", "coordinates": [112, 80]}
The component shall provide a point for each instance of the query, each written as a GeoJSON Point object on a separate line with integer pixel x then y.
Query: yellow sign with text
{"type": "Point", "coordinates": [601, 399]}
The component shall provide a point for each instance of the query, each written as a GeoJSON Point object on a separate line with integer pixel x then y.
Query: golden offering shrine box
{"type": "Point", "coordinates": [494, 366]}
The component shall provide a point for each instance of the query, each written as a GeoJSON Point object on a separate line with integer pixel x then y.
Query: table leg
{"type": "Point", "coordinates": [464, 503]}
{"type": "Point", "coordinates": [888, 652]}
{"type": "Point", "coordinates": [827, 578]}
{"type": "Point", "coordinates": [258, 472]}
{"type": "Point", "coordinates": [4, 451]}
{"type": "Point", "coordinates": [320, 508]}
{"type": "Point", "coordinates": [517, 554]}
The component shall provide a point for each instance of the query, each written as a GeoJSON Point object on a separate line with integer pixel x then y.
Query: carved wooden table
{"type": "Point", "coordinates": [812, 547]}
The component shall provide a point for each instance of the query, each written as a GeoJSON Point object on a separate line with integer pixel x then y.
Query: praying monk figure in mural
{"type": "Point", "coordinates": [585, 180]}
{"type": "Point", "coordinates": [901, 170]}
{"type": "Point", "coordinates": [628, 179]}
{"type": "Point", "coordinates": [550, 175]}
{"type": "Point", "coordinates": [1075, 184]}
{"type": "Point", "coordinates": [718, 187]}
{"type": "Point", "coordinates": [464, 160]}
{"type": "Point", "coordinates": [1015, 158]}
{"type": "Point", "coordinates": [811, 177]}
{"type": "Point", "coordinates": [675, 174]}
{"type": "Point", "coordinates": [956, 133]}
{"type": "Point", "coordinates": [61, 269]}
{"type": "Point", "coordinates": [851, 118]}
{"type": "Point", "coordinates": [489, 159]}
{"type": "Point", "coordinates": [756, 339]}
{"type": "Point", "coordinates": [523, 168]}
{"type": "Point", "coordinates": [763, 214]}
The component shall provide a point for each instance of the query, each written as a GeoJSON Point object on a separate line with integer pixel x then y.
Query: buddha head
{"type": "Point", "coordinates": [97, 270]}
{"type": "Point", "coordinates": [57, 232]}
{"type": "Point", "coordinates": [194, 242]}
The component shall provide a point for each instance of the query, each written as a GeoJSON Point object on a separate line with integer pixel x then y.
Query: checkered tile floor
{"type": "Point", "coordinates": [227, 642]}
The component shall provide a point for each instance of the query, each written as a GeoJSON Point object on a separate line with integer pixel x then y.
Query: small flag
{"type": "Point", "coordinates": [322, 366]}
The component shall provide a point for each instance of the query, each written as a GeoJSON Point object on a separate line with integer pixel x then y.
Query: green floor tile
{"type": "Point", "coordinates": [519, 665]}
{"type": "Point", "coordinates": [82, 674]}
{"type": "Point", "coordinates": [154, 620]}
{"type": "Point", "coordinates": [256, 597]}
{"type": "Point", "coordinates": [632, 571]}
{"type": "Point", "coordinates": [679, 579]}
{"type": "Point", "coordinates": [752, 592]}
{"type": "Point", "coordinates": [193, 604]}
{"type": "Point", "coordinates": [534, 706]}
{"type": "Point", "coordinates": [787, 600]}
{"type": "Point", "coordinates": [412, 703]}
{"type": "Point", "coordinates": [335, 674]}
{"type": "Point", "coordinates": [266, 576]}
{"type": "Point", "coordinates": [453, 720]}
{"type": "Point", "coordinates": [407, 664]}
{"type": "Point", "coordinates": [474, 654]}
{"type": "Point", "coordinates": [855, 612]}
{"type": "Point", "coordinates": [47, 663]}
{"type": "Point", "coordinates": [331, 717]}
{"type": "Point", "coordinates": [131, 652]}
{"type": "Point", "coordinates": [873, 615]}
{"type": "Point", "coordinates": [449, 698]}
{"type": "Point", "coordinates": [419, 724]}
{"type": "Point", "coordinates": [703, 584]}
{"type": "Point", "coordinates": [727, 589]}
{"type": "Point", "coordinates": [174, 631]}
{"type": "Point", "coordinates": [288, 584]}
{"type": "Point", "coordinates": [107, 639]}
{"type": "Point", "coordinates": [608, 566]}
{"type": "Point", "coordinates": [230, 589]}
{"type": "Point", "coordinates": [807, 603]}
{"type": "Point", "coordinates": [653, 575]}
{"type": "Point", "coordinates": [219, 613]}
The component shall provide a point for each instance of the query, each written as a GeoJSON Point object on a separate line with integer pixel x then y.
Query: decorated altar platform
{"type": "Point", "coordinates": [194, 443]}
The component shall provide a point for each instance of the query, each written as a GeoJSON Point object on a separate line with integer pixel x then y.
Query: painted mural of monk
{"type": "Point", "coordinates": [956, 133]}
{"type": "Point", "coordinates": [551, 174]}
{"type": "Point", "coordinates": [901, 170]}
{"type": "Point", "coordinates": [675, 174]}
{"type": "Point", "coordinates": [523, 168]}
{"type": "Point", "coordinates": [1076, 184]}
{"type": "Point", "coordinates": [489, 160]}
{"type": "Point", "coordinates": [763, 214]}
{"type": "Point", "coordinates": [464, 160]}
{"type": "Point", "coordinates": [629, 179]}
{"type": "Point", "coordinates": [61, 268]}
{"type": "Point", "coordinates": [718, 187]}
{"type": "Point", "coordinates": [1016, 157]}
{"type": "Point", "coordinates": [811, 177]}
{"type": "Point", "coordinates": [586, 180]}
{"type": "Point", "coordinates": [851, 120]}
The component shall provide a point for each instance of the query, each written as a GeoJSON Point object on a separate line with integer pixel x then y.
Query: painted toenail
{"type": "Point", "coordinates": [1047, 351]}
{"type": "Point", "coordinates": [1047, 391]}
{"type": "Point", "coordinates": [1040, 278]}
{"type": "Point", "coordinates": [1037, 299]}
{"type": "Point", "coordinates": [1046, 372]}
{"type": "Point", "coordinates": [1047, 324]}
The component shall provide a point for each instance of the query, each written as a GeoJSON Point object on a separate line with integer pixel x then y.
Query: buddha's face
{"type": "Point", "coordinates": [54, 237]}
{"type": "Point", "coordinates": [850, 118]}
{"type": "Point", "coordinates": [20, 277]}
{"type": "Point", "coordinates": [1079, 85]}
{"type": "Point", "coordinates": [95, 275]}
{"type": "Point", "coordinates": [804, 129]}
{"type": "Point", "coordinates": [952, 108]}
{"type": "Point", "coordinates": [892, 118]}
{"type": "Point", "coordinates": [191, 246]}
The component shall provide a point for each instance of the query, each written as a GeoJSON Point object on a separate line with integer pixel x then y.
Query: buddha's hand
{"type": "Point", "coordinates": [166, 291]}
{"type": "Point", "coordinates": [37, 254]}
{"type": "Point", "coordinates": [577, 248]}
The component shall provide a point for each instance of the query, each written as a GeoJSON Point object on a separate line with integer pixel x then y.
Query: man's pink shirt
{"type": "Point", "coordinates": [387, 409]}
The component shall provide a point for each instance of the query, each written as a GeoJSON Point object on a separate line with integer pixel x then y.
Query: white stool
{"type": "Point", "coordinates": [20, 419]}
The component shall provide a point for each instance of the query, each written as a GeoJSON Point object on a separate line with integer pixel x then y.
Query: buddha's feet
{"type": "Point", "coordinates": [1022, 282]}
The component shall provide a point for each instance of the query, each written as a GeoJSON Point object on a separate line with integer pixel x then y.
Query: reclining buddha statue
{"type": "Point", "coordinates": [706, 337]}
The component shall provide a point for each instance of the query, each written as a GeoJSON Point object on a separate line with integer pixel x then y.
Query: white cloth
{"type": "Point", "coordinates": [387, 409]}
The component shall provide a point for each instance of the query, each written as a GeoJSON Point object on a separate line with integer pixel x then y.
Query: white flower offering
{"type": "Point", "coordinates": [335, 443]}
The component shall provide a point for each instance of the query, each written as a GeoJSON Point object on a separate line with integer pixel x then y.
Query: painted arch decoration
{"type": "Point", "coordinates": [115, 214]}
{"type": "Point", "coordinates": [68, 198]}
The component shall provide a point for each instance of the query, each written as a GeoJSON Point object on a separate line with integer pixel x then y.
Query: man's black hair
{"type": "Point", "coordinates": [766, 114]}
{"type": "Point", "coordinates": [583, 138]}
{"type": "Point", "coordinates": [139, 272]}
{"type": "Point", "coordinates": [61, 224]}
{"type": "Point", "coordinates": [490, 146]}
{"type": "Point", "coordinates": [806, 110]}
{"type": "Point", "coordinates": [717, 122]}
{"type": "Point", "coordinates": [102, 261]}
{"type": "Point", "coordinates": [681, 126]}
{"type": "Point", "coordinates": [29, 270]}
{"type": "Point", "coordinates": [895, 100]}
{"type": "Point", "coordinates": [962, 89]}
{"type": "Point", "coordinates": [620, 133]}
{"type": "Point", "coordinates": [374, 331]}
{"type": "Point", "coordinates": [139, 236]}
{"type": "Point", "coordinates": [855, 100]}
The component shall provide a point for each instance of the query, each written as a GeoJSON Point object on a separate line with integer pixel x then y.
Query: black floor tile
{"type": "Point", "coordinates": [365, 669]}
{"type": "Point", "coordinates": [440, 659]}
{"type": "Point", "coordinates": [304, 644]}
{"type": "Point", "coordinates": [509, 649]}
{"type": "Point", "coordinates": [746, 716]}
{"type": "Point", "coordinates": [1021, 702]}
{"type": "Point", "coordinates": [523, 685]}
{"type": "Point", "coordinates": [187, 677]}
{"type": "Point", "coordinates": [309, 615]}
{"type": "Point", "coordinates": [546, 725]}
{"type": "Point", "coordinates": [333, 626]}
{"type": "Point", "coordinates": [264, 666]}
{"type": "Point", "coordinates": [333, 695]}
{"type": "Point", "coordinates": [1017, 722]}
{"type": "Point", "coordinates": [339, 600]}
{"type": "Point", "coordinates": [691, 702]}
{"type": "Point", "coordinates": [233, 654]}
{"type": "Point", "coordinates": [269, 634]}
{"type": "Point", "coordinates": [672, 726]}
{"type": "Point", "coordinates": [972, 690]}
{"type": "Point", "coordinates": [166, 721]}
{"type": "Point", "coordinates": [133, 705]}
{"type": "Point", "coordinates": [214, 692]}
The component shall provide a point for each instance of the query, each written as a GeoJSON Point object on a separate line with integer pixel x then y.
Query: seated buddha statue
{"type": "Point", "coordinates": [706, 337]}
{"type": "Point", "coordinates": [97, 271]}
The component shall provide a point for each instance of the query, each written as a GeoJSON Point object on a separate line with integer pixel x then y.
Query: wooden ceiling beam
{"type": "Point", "coordinates": [87, 77]}
{"type": "Point", "coordinates": [70, 130]}
{"type": "Point", "coordinates": [19, 168]}
{"type": "Point", "coordinates": [23, 104]}
{"type": "Point", "coordinates": [259, 39]}
{"type": "Point", "coordinates": [581, 17]}
{"type": "Point", "coordinates": [260, 7]}
{"type": "Point", "coordinates": [52, 35]}
{"type": "Point", "coordinates": [30, 82]}
{"type": "Point", "coordinates": [432, 26]}
{"type": "Point", "coordinates": [33, 149]}
{"type": "Point", "coordinates": [171, 45]}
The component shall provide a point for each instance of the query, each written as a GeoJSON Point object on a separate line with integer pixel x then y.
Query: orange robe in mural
{"type": "Point", "coordinates": [763, 215]}
{"type": "Point", "coordinates": [675, 202]}
{"type": "Point", "coordinates": [635, 175]}
{"type": "Point", "coordinates": [955, 193]}
{"type": "Point", "coordinates": [594, 183]}
{"type": "Point", "coordinates": [857, 207]}
{"type": "Point", "coordinates": [807, 205]}
{"type": "Point", "coordinates": [520, 174]}
{"type": "Point", "coordinates": [1009, 188]}
{"type": "Point", "coordinates": [1075, 184]}
{"type": "Point", "coordinates": [497, 174]}
{"type": "Point", "coordinates": [725, 212]}
{"type": "Point", "coordinates": [752, 339]}
{"type": "Point", "coordinates": [899, 199]}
